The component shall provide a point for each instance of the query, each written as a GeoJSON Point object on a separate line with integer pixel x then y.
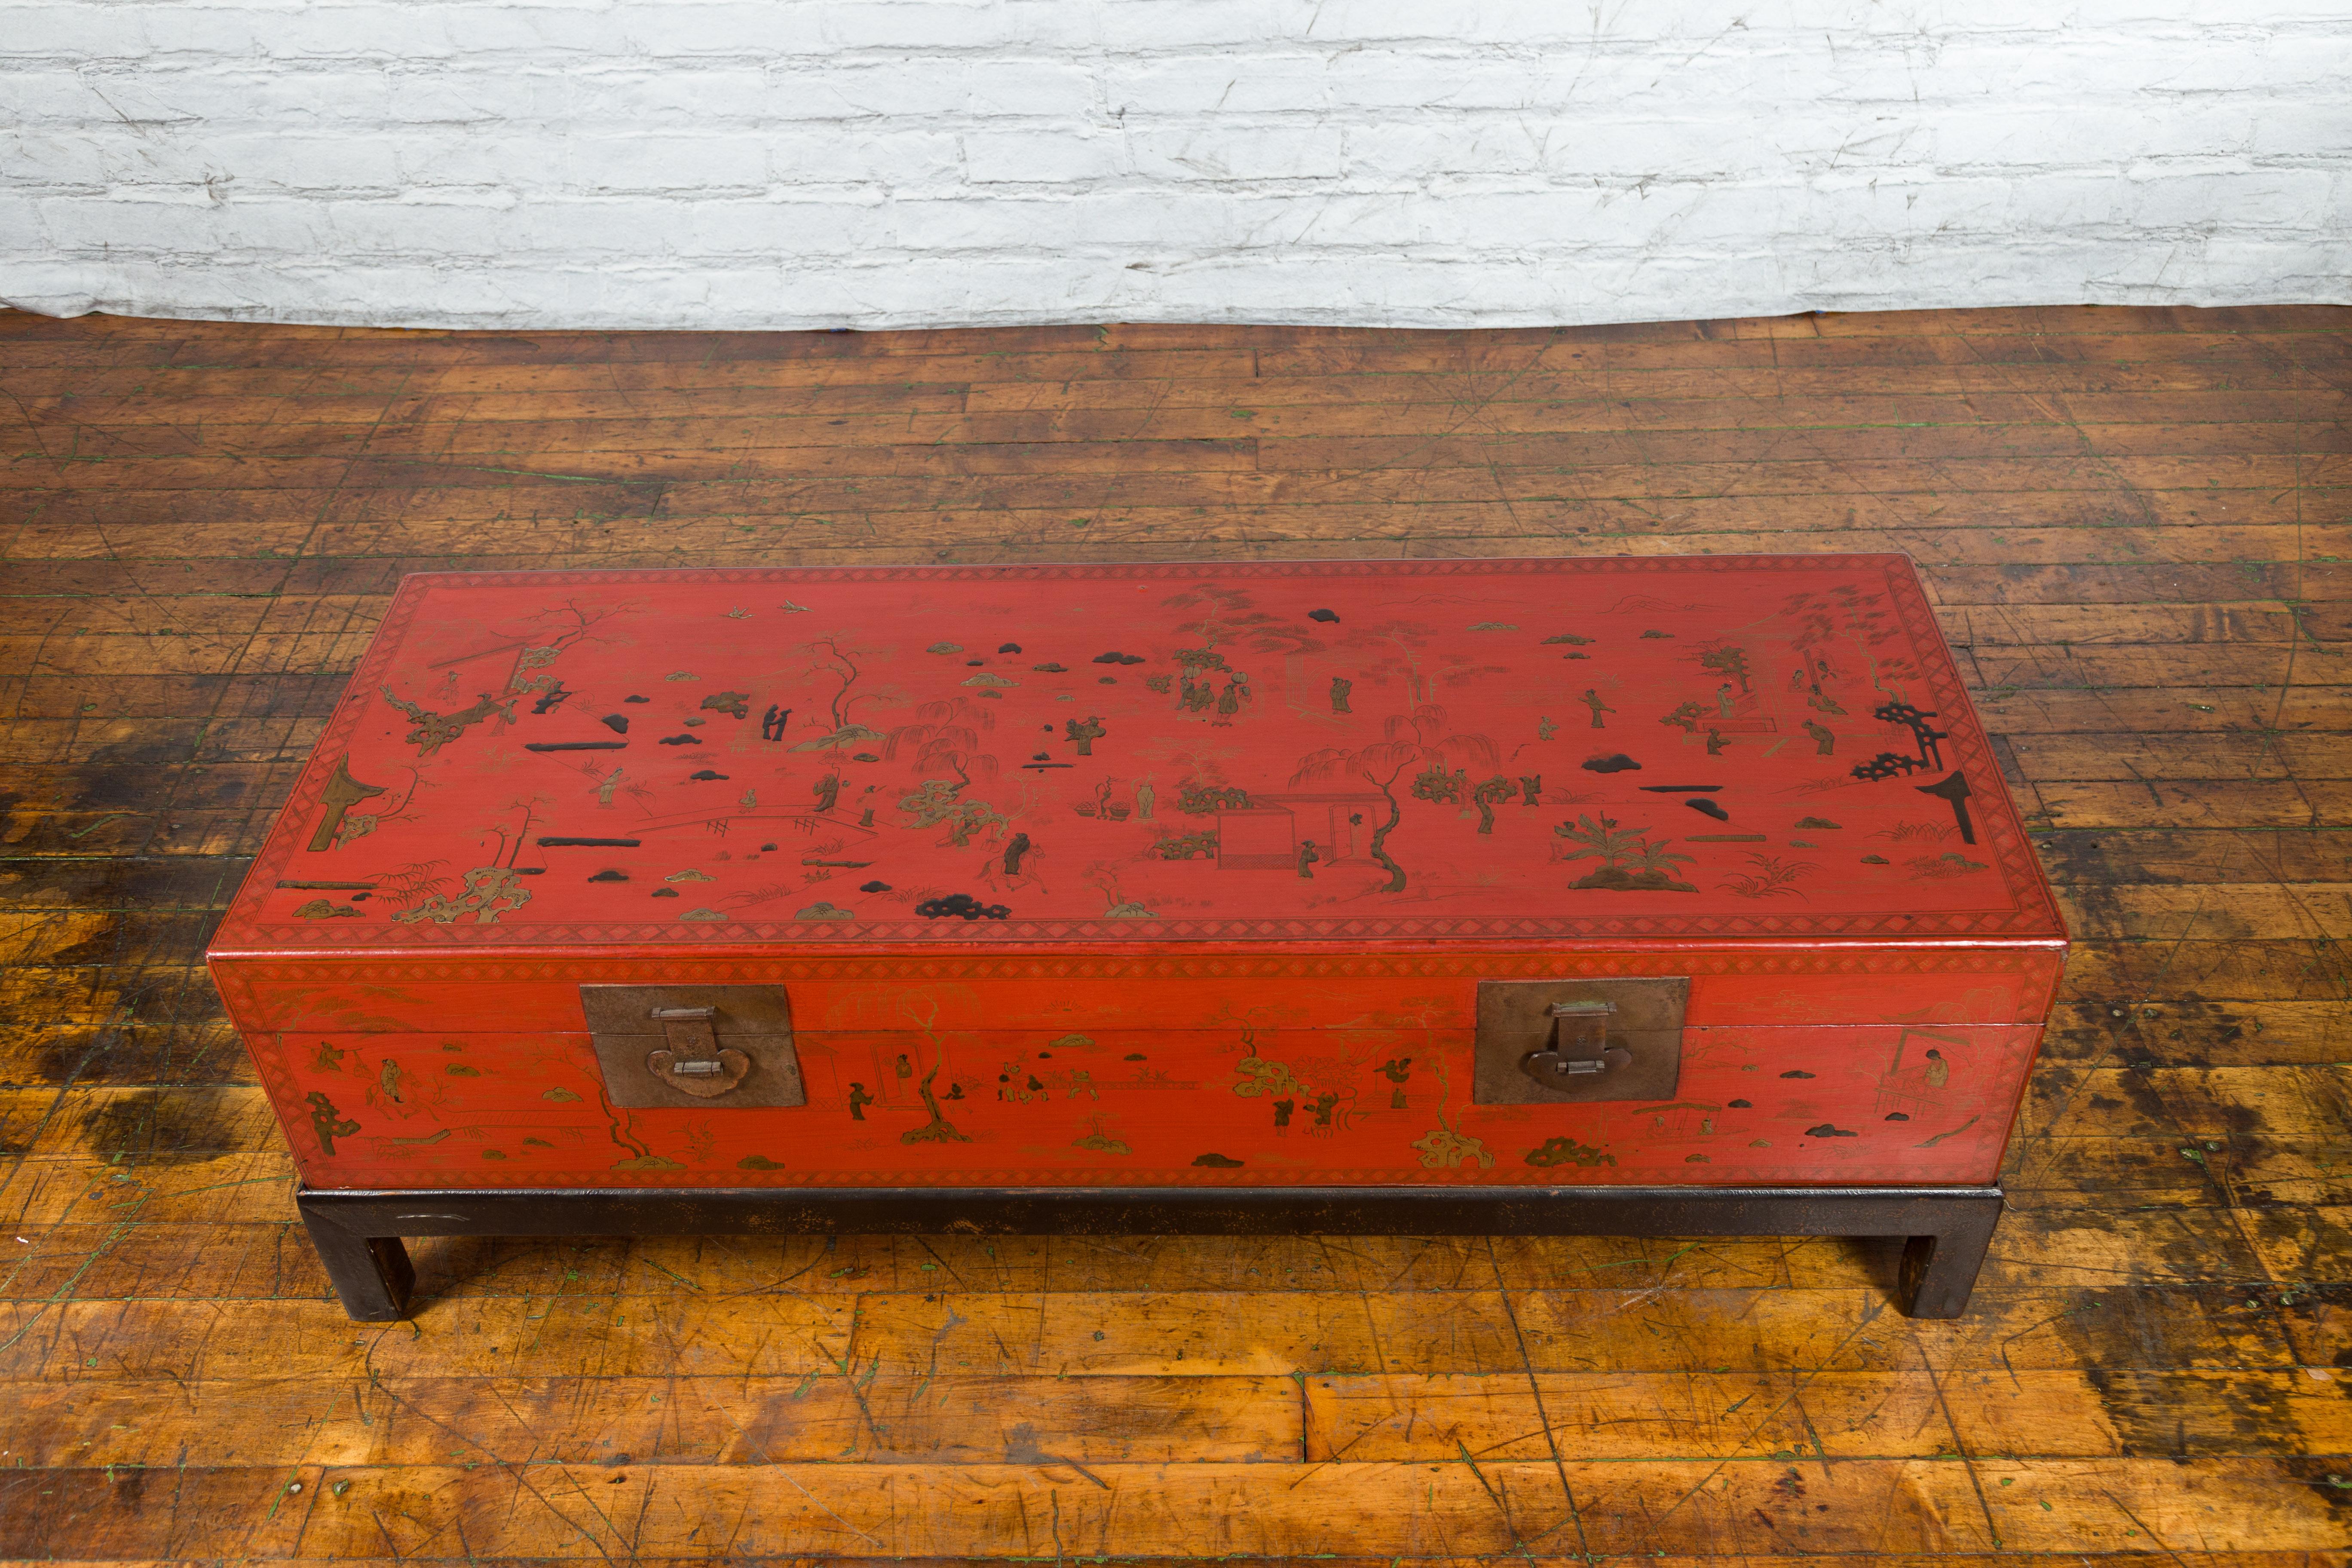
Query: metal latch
{"type": "Point", "coordinates": [1542, 1041]}
{"type": "Point", "coordinates": [1580, 1046]}
{"type": "Point", "coordinates": [719, 1046]}
{"type": "Point", "coordinates": [694, 1061]}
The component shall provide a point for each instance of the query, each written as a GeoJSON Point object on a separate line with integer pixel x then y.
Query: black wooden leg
{"type": "Point", "coordinates": [1947, 1229]}
{"type": "Point", "coordinates": [370, 1273]}
{"type": "Point", "coordinates": [1940, 1270]}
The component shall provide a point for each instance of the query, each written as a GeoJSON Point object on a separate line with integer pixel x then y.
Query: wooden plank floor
{"type": "Point", "coordinates": [2135, 523]}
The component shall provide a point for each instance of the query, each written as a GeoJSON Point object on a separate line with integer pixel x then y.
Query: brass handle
{"type": "Point", "coordinates": [626, 1024]}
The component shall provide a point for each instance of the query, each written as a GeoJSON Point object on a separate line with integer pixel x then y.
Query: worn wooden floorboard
{"type": "Point", "coordinates": [2138, 525]}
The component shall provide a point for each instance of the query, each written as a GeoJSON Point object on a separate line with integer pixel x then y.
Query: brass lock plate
{"type": "Point", "coordinates": [1633, 1028]}
{"type": "Point", "coordinates": [695, 1047]}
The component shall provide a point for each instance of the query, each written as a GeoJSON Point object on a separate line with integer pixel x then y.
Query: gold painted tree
{"type": "Point", "coordinates": [1415, 741]}
{"type": "Point", "coordinates": [1617, 848]}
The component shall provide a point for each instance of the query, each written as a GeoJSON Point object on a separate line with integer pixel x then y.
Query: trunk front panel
{"type": "Point", "coordinates": [1887, 1064]}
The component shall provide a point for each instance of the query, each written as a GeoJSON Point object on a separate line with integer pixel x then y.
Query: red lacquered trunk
{"type": "Point", "coordinates": [1252, 875]}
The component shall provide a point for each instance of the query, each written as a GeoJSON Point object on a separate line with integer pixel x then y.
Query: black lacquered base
{"type": "Point", "coordinates": [1947, 1229]}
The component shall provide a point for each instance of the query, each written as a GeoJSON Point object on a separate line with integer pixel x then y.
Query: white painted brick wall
{"type": "Point", "coordinates": [905, 162]}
